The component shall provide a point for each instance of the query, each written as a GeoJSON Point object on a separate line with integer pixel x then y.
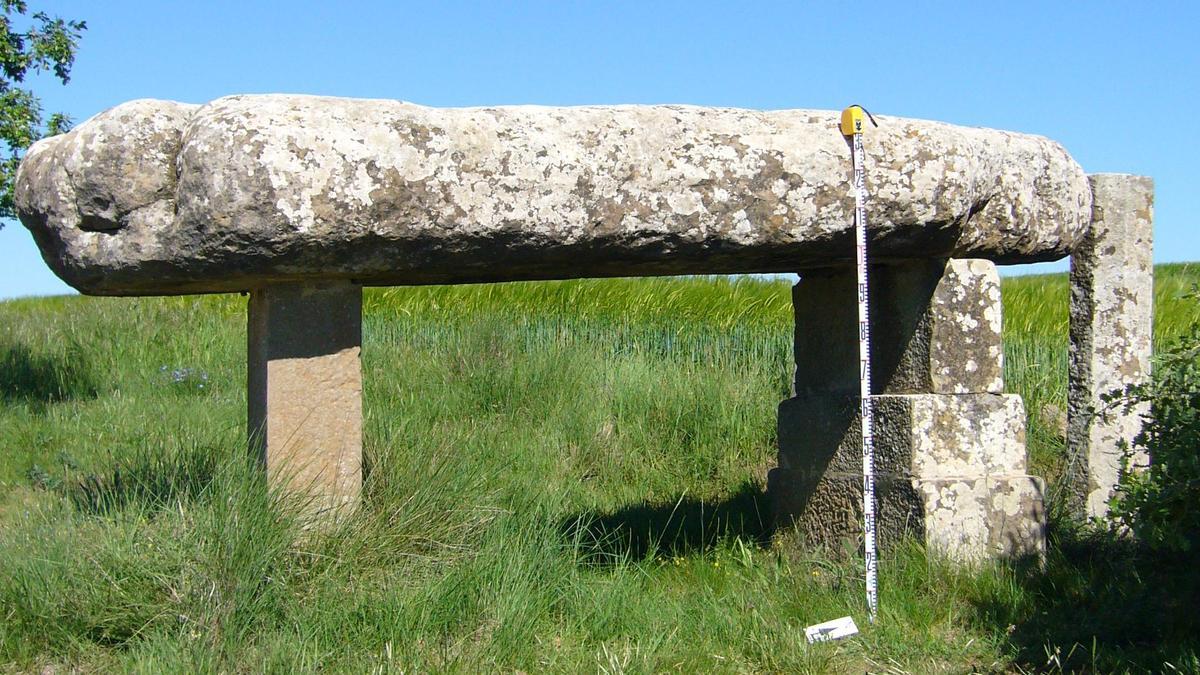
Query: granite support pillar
{"type": "Point", "coordinates": [305, 390]}
{"type": "Point", "coordinates": [1112, 316]}
{"type": "Point", "coordinates": [950, 446]}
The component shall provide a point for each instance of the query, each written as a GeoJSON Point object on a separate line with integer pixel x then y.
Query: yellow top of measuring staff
{"type": "Point", "coordinates": [852, 120]}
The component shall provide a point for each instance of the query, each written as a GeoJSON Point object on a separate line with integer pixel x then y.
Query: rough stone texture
{"type": "Point", "coordinates": [935, 325]}
{"type": "Point", "coordinates": [950, 455]}
{"type": "Point", "coordinates": [156, 197]}
{"type": "Point", "coordinates": [1112, 292]}
{"type": "Point", "coordinates": [916, 435]}
{"type": "Point", "coordinates": [305, 389]}
{"type": "Point", "coordinates": [974, 519]}
{"type": "Point", "coordinates": [826, 512]}
{"type": "Point", "coordinates": [950, 469]}
{"type": "Point", "coordinates": [967, 519]}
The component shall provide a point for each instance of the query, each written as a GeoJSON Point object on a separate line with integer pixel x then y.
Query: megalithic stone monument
{"type": "Point", "coordinates": [301, 201]}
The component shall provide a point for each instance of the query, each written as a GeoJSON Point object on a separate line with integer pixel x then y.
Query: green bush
{"type": "Point", "coordinates": [1161, 503]}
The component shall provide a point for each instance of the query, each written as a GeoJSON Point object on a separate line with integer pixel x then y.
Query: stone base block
{"type": "Point", "coordinates": [826, 511]}
{"type": "Point", "coordinates": [916, 435]}
{"type": "Point", "coordinates": [975, 519]}
{"type": "Point", "coordinates": [949, 470]}
{"type": "Point", "coordinates": [965, 519]}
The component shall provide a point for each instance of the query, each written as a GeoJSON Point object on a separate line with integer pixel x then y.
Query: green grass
{"type": "Point", "coordinates": [562, 477]}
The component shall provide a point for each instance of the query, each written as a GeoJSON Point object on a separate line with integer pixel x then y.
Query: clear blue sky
{"type": "Point", "coordinates": [1115, 82]}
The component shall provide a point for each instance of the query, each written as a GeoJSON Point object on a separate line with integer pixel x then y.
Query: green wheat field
{"type": "Point", "coordinates": [561, 477]}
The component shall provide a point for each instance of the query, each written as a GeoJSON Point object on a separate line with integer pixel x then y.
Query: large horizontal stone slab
{"type": "Point", "coordinates": [160, 197]}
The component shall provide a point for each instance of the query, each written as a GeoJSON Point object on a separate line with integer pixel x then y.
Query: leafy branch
{"type": "Point", "coordinates": [46, 44]}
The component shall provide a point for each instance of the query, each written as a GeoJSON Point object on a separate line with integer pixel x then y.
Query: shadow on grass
{"type": "Point", "coordinates": [146, 482]}
{"type": "Point", "coordinates": [1102, 604]}
{"type": "Point", "coordinates": [28, 377]}
{"type": "Point", "coordinates": [670, 529]}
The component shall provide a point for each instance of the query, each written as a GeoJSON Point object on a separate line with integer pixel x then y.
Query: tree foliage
{"type": "Point", "coordinates": [41, 43]}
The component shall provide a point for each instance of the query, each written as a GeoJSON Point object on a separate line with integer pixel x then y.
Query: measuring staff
{"type": "Point", "coordinates": [852, 127]}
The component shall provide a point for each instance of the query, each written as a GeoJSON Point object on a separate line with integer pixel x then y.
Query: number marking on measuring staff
{"type": "Point", "coordinates": [852, 127]}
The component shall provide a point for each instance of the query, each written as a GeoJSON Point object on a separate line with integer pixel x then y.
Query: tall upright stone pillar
{"type": "Point", "coordinates": [950, 447]}
{"type": "Point", "coordinates": [305, 390]}
{"type": "Point", "coordinates": [1112, 295]}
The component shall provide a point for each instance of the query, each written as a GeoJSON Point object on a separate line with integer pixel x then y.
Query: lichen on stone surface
{"type": "Point", "coordinates": [155, 196]}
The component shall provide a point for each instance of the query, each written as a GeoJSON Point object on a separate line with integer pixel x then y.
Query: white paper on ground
{"type": "Point", "coordinates": [831, 630]}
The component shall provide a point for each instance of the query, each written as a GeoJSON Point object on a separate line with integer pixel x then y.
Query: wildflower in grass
{"type": "Point", "coordinates": [189, 379]}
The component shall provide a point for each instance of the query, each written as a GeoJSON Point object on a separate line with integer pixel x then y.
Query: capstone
{"type": "Point", "coordinates": [157, 197]}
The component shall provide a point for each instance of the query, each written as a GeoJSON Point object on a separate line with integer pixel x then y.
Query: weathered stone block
{"type": "Point", "coordinates": [975, 519]}
{"type": "Point", "coordinates": [949, 469]}
{"type": "Point", "coordinates": [916, 435]}
{"type": "Point", "coordinates": [827, 510]}
{"type": "Point", "coordinates": [305, 389]}
{"type": "Point", "coordinates": [935, 327]}
{"type": "Point", "coordinates": [967, 519]}
{"type": "Point", "coordinates": [1112, 293]}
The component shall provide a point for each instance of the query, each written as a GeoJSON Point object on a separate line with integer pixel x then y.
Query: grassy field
{"type": "Point", "coordinates": [561, 477]}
